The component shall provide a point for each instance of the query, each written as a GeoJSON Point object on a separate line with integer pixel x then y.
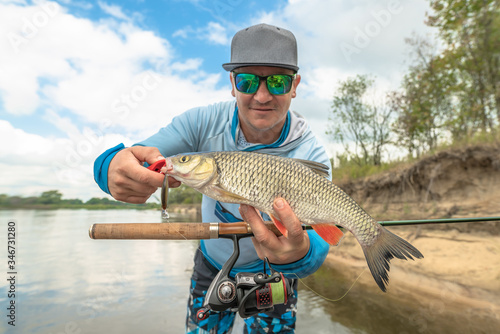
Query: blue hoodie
{"type": "Point", "coordinates": [216, 128]}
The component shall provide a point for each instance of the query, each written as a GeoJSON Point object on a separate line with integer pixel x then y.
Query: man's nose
{"type": "Point", "coordinates": [262, 94]}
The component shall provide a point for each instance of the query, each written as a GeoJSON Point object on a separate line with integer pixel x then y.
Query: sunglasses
{"type": "Point", "coordinates": [277, 84]}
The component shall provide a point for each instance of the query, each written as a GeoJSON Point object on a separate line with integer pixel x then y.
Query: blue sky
{"type": "Point", "coordinates": [77, 77]}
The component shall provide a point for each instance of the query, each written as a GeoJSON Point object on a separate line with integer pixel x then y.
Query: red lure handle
{"type": "Point", "coordinates": [157, 166]}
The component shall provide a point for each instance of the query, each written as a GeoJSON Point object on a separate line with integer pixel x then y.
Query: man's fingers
{"type": "Point", "coordinates": [128, 180]}
{"type": "Point", "coordinates": [146, 154]}
{"type": "Point", "coordinates": [148, 177]}
{"type": "Point", "coordinates": [260, 231]}
{"type": "Point", "coordinates": [130, 188]}
{"type": "Point", "coordinates": [288, 218]}
{"type": "Point", "coordinates": [278, 249]}
{"type": "Point", "coordinates": [173, 183]}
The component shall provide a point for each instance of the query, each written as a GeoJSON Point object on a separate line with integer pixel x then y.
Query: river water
{"type": "Point", "coordinates": [66, 282]}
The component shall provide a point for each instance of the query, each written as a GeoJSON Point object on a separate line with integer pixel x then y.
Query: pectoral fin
{"type": "Point", "coordinates": [227, 196]}
{"type": "Point", "coordinates": [329, 232]}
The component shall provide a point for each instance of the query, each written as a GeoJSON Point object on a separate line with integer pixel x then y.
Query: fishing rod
{"type": "Point", "coordinates": [438, 221]}
{"type": "Point", "coordinates": [248, 293]}
{"type": "Point", "coordinates": [197, 231]}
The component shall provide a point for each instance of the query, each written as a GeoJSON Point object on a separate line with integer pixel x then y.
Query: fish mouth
{"type": "Point", "coordinates": [169, 170]}
{"type": "Point", "coordinates": [169, 166]}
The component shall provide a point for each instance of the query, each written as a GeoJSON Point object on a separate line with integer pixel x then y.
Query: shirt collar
{"type": "Point", "coordinates": [235, 130]}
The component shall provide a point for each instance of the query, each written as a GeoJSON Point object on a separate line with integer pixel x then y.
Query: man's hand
{"type": "Point", "coordinates": [279, 250]}
{"type": "Point", "coordinates": [129, 181]}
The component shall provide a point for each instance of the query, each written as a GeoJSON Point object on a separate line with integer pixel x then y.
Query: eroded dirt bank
{"type": "Point", "coordinates": [461, 268]}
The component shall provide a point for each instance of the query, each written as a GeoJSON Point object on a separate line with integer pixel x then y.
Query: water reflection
{"type": "Point", "coordinates": [365, 309]}
{"type": "Point", "coordinates": [69, 283]}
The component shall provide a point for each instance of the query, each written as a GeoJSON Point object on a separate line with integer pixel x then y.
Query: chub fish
{"type": "Point", "coordinates": [257, 179]}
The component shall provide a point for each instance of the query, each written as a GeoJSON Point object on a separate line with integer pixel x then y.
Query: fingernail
{"type": "Point", "coordinates": [160, 157]}
{"type": "Point", "coordinates": [279, 203]}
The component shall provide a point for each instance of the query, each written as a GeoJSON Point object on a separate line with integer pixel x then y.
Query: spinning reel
{"type": "Point", "coordinates": [247, 293]}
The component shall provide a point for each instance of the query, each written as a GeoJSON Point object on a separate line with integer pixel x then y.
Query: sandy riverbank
{"type": "Point", "coordinates": [460, 271]}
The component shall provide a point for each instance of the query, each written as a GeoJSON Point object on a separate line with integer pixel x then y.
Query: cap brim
{"type": "Point", "coordinates": [231, 66]}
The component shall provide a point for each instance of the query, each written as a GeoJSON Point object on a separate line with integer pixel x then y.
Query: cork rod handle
{"type": "Point", "coordinates": [171, 231]}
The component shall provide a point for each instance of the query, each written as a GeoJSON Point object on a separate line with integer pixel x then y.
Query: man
{"type": "Point", "coordinates": [263, 74]}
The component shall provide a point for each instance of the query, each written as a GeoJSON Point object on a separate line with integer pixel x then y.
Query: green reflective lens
{"type": "Point", "coordinates": [246, 83]}
{"type": "Point", "coordinates": [277, 84]}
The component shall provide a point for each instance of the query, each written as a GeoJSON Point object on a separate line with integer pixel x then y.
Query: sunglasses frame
{"type": "Point", "coordinates": [261, 78]}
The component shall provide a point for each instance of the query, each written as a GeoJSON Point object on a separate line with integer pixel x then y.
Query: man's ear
{"type": "Point", "coordinates": [295, 84]}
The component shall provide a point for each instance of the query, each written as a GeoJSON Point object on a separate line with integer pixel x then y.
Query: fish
{"type": "Point", "coordinates": [257, 179]}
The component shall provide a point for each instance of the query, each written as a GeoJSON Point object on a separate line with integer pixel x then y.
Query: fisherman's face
{"type": "Point", "coordinates": [262, 115]}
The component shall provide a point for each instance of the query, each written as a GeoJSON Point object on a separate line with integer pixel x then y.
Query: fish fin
{"type": "Point", "coordinates": [316, 167]}
{"type": "Point", "coordinates": [379, 254]}
{"type": "Point", "coordinates": [279, 225]}
{"type": "Point", "coordinates": [329, 232]}
{"type": "Point", "coordinates": [227, 196]}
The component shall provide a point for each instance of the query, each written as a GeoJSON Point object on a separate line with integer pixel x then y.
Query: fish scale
{"type": "Point", "coordinates": [257, 179]}
{"type": "Point", "coordinates": [275, 173]}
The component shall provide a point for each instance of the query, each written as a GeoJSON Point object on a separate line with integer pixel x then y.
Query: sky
{"type": "Point", "coordinates": [78, 77]}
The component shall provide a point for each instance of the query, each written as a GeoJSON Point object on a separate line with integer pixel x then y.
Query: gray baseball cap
{"type": "Point", "coordinates": [263, 45]}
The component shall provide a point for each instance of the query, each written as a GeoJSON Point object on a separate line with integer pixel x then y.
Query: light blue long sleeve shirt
{"type": "Point", "coordinates": [216, 128]}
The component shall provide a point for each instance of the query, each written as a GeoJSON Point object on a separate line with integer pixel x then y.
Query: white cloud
{"type": "Point", "coordinates": [95, 70]}
{"type": "Point", "coordinates": [112, 81]}
{"type": "Point", "coordinates": [113, 10]}
{"type": "Point", "coordinates": [22, 143]}
{"type": "Point", "coordinates": [106, 82]}
{"type": "Point", "coordinates": [217, 34]}
{"type": "Point", "coordinates": [213, 33]}
{"type": "Point", "coordinates": [188, 65]}
{"type": "Point", "coordinates": [32, 164]}
{"type": "Point", "coordinates": [19, 2]}
{"type": "Point", "coordinates": [374, 31]}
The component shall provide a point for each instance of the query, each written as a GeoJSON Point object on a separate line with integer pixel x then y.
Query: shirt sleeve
{"type": "Point", "coordinates": [306, 266]}
{"type": "Point", "coordinates": [101, 166]}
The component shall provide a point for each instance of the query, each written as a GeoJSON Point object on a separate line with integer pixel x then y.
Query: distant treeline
{"type": "Point", "coordinates": [450, 93]}
{"type": "Point", "coordinates": [52, 199]}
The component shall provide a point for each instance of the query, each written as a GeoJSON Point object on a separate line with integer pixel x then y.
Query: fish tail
{"type": "Point", "coordinates": [379, 254]}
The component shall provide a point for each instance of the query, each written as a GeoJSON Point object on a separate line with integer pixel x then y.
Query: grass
{"type": "Point", "coordinates": [349, 170]}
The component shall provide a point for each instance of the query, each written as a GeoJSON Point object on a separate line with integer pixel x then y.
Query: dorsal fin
{"type": "Point", "coordinates": [316, 167]}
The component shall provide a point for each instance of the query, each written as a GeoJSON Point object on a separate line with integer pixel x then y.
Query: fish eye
{"type": "Point", "coordinates": [184, 158]}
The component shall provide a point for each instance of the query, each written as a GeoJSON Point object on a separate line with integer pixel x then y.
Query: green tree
{"type": "Point", "coordinates": [74, 201]}
{"type": "Point", "coordinates": [470, 30]}
{"type": "Point", "coordinates": [184, 195]}
{"type": "Point", "coordinates": [423, 106]}
{"type": "Point", "coordinates": [358, 121]}
{"type": "Point", "coordinates": [3, 199]}
{"type": "Point", "coordinates": [97, 201]}
{"type": "Point", "coordinates": [50, 197]}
